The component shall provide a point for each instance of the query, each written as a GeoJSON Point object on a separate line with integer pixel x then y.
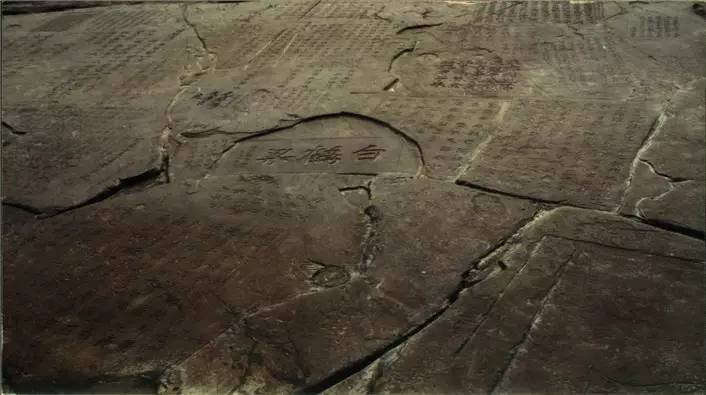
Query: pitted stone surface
{"type": "Point", "coordinates": [304, 196]}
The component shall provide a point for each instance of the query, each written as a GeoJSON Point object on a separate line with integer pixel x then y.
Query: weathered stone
{"type": "Point", "coordinates": [678, 207]}
{"type": "Point", "coordinates": [244, 216]}
{"type": "Point", "coordinates": [285, 68]}
{"type": "Point", "coordinates": [357, 196]}
{"type": "Point", "coordinates": [644, 183]}
{"type": "Point", "coordinates": [335, 144]}
{"type": "Point", "coordinates": [665, 32]}
{"type": "Point", "coordinates": [448, 131]}
{"type": "Point", "coordinates": [171, 254]}
{"type": "Point", "coordinates": [70, 155]}
{"type": "Point", "coordinates": [668, 182]}
{"type": "Point", "coordinates": [326, 332]}
{"type": "Point", "coordinates": [526, 60]}
{"type": "Point", "coordinates": [91, 121]}
{"type": "Point", "coordinates": [218, 367]}
{"type": "Point", "coordinates": [421, 268]}
{"type": "Point", "coordinates": [27, 7]}
{"type": "Point", "coordinates": [563, 152]}
{"type": "Point", "coordinates": [354, 197]}
{"type": "Point", "coordinates": [567, 308]}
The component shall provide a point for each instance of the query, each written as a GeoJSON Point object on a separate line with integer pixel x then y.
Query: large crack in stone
{"type": "Point", "coordinates": [353, 197]}
{"type": "Point", "coordinates": [471, 348]}
{"type": "Point", "coordinates": [670, 176]}
{"type": "Point", "coordinates": [78, 154]}
{"type": "Point", "coordinates": [236, 300]}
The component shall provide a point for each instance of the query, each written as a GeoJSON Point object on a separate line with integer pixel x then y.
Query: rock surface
{"type": "Point", "coordinates": [353, 197]}
{"type": "Point", "coordinates": [567, 306]}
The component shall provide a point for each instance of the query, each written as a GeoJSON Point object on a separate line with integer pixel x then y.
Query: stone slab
{"type": "Point", "coordinates": [577, 153]}
{"type": "Point", "coordinates": [304, 196]}
{"type": "Point", "coordinates": [561, 310]}
{"type": "Point", "coordinates": [89, 90]}
{"type": "Point", "coordinates": [667, 186]}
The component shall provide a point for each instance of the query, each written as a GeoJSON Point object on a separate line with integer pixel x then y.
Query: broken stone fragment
{"type": "Point", "coordinates": [644, 184]}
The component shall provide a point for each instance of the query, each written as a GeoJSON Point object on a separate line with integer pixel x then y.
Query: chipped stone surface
{"type": "Point", "coordinates": [304, 196]}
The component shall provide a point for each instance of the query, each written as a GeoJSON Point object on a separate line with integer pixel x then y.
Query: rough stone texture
{"type": "Point", "coordinates": [563, 152]}
{"type": "Point", "coordinates": [567, 307]}
{"type": "Point", "coordinates": [67, 157]}
{"type": "Point", "coordinates": [89, 90]}
{"type": "Point", "coordinates": [673, 164]}
{"type": "Point", "coordinates": [275, 249]}
{"type": "Point", "coordinates": [353, 197]}
{"type": "Point", "coordinates": [419, 268]}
